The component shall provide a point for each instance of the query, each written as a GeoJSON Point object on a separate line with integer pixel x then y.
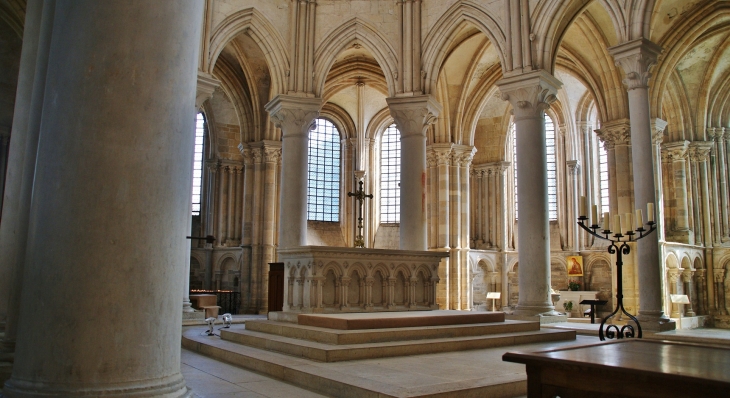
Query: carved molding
{"type": "Point", "coordinates": [658, 126]}
{"type": "Point", "coordinates": [675, 151]}
{"type": "Point", "coordinates": [699, 151]}
{"type": "Point", "coordinates": [636, 58]}
{"type": "Point", "coordinates": [573, 167]}
{"type": "Point", "coordinates": [615, 133]}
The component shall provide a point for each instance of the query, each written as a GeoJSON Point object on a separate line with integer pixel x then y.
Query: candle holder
{"type": "Point", "coordinates": [617, 238]}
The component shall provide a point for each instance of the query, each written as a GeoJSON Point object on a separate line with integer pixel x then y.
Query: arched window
{"type": "Point", "coordinates": [200, 127]}
{"type": "Point", "coordinates": [323, 173]}
{"type": "Point", "coordinates": [390, 176]}
{"type": "Point", "coordinates": [550, 166]}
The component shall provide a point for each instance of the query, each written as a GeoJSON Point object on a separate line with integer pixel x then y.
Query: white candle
{"type": "Point", "coordinates": [639, 219]}
{"type": "Point", "coordinates": [582, 212]}
{"type": "Point", "coordinates": [650, 212]}
{"type": "Point", "coordinates": [606, 221]}
{"type": "Point", "coordinates": [629, 226]}
{"type": "Point", "coordinates": [594, 215]}
{"type": "Point", "coordinates": [616, 224]}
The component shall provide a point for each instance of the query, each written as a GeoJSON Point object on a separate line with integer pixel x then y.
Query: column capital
{"type": "Point", "coordinates": [441, 153]}
{"type": "Point", "coordinates": [700, 274]}
{"type": "Point", "coordinates": [716, 133]}
{"type": "Point", "coordinates": [676, 151]}
{"type": "Point", "coordinates": [463, 155]}
{"type": "Point", "coordinates": [431, 159]}
{"type": "Point", "coordinates": [414, 114]}
{"type": "Point", "coordinates": [573, 167]}
{"type": "Point", "coordinates": [502, 167]}
{"type": "Point", "coordinates": [530, 94]}
{"type": "Point", "coordinates": [257, 155]}
{"type": "Point", "coordinates": [673, 275]}
{"type": "Point", "coordinates": [292, 114]}
{"type": "Point", "coordinates": [719, 275]}
{"type": "Point", "coordinates": [205, 88]}
{"type": "Point", "coordinates": [699, 151]}
{"type": "Point", "coordinates": [658, 126]}
{"type": "Point", "coordinates": [687, 275]}
{"type": "Point", "coordinates": [635, 58]}
{"type": "Point", "coordinates": [617, 132]}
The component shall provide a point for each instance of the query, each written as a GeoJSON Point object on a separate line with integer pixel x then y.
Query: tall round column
{"type": "Point", "coordinates": [530, 95]}
{"type": "Point", "coordinates": [413, 115]}
{"type": "Point", "coordinates": [636, 58]}
{"type": "Point", "coordinates": [294, 116]}
{"type": "Point", "coordinates": [100, 304]}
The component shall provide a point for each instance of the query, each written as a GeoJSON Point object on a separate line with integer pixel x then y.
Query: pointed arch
{"type": "Point", "coordinates": [255, 24]}
{"type": "Point", "coordinates": [550, 20]}
{"type": "Point", "coordinates": [441, 35]}
{"type": "Point", "coordinates": [354, 31]}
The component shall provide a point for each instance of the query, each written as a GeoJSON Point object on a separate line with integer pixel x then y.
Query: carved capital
{"type": "Point", "coordinates": [431, 159]}
{"type": "Point", "coordinates": [530, 94]}
{"type": "Point", "coordinates": [614, 133]}
{"type": "Point", "coordinates": [699, 151]}
{"type": "Point", "coordinates": [272, 155]}
{"type": "Point", "coordinates": [635, 58]}
{"type": "Point", "coordinates": [675, 151]}
{"type": "Point", "coordinates": [717, 133]}
{"type": "Point", "coordinates": [247, 156]}
{"type": "Point", "coordinates": [293, 115]}
{"type": "Point", "coordinates": [719, 275]}
{"type": "Point", "coordinates": [205, 88]}
{"type": "Point", "coordinates": [657, 127]}
{"type": "Point", "coordinates": [687, 275]}
{"type": "Point", "coordinates": [465, 157]}
{"type": "Point", "coordinates": [257, 155]}
{"type": "Point", "coordinates": [413, 115]}
{"type": "Point", "coordinates": [442, 154]}
{"type": "Point", "coordinates": [573, 167]}
{"type": "Point", "coordinates": [700, 275]}
{"type": "Point", "coordinates": [673, 275]}
{"type": "Point", "coordinates": [502, 167]}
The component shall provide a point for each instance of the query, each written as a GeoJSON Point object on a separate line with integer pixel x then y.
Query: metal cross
{"type": "Point", "coordinates": [360, 196]}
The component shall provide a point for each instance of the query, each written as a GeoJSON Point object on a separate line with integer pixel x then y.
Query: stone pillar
{"type": "Point", "coordinates": [413, 115]}
{"type": "Point", "coordinates": [658, 126]}
{"type": "Point", "coordinates": [676, 152]}
{"type": "Point", "coordinates": [635, 58]}
{"type": "Point", "coordinates": [272, 156]}
{"type": "Point", "coordinates": [717, 212]}
{"type": "Point", "coordinates": [719, 275]}
{"type": "Point", "coordinates": [21, 165]}
{"type": "Point", "coordinates": [719, 136]}
{"type": "Point", "coordinates": [294, 116]}
{"type": "Point", "coordinates": [672, 279]}
{"type": "Point", "coordinates": [125, 176]}
{"type": "Point", "coordinates": [696, 196]}
{"type": "Point", "coordinates": [700, 292]}
{"type": "Point", "coordinates": [500, 172]}
{"type": "Point", "coordinates": [222, 203]}
{"type": "Point", "coordinates": [574, 172]}
{"type": "Point", "coordinates": [530, 94]}
{"type": "Point", "coordinates": [442, 154]}
{"type": "Point", "coordinates": [687, 280]}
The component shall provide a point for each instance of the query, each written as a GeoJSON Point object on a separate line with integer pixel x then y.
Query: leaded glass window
{"type": "Point", "coordinates": [198, 162]}
{"type": "Point", "coordinates": [390, 176]}
{"type": "Point", "coordinates": [323, 172]}
{"type": "Point", "coordinates": [550, 166]}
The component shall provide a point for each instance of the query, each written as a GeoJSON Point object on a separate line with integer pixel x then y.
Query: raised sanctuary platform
{"type": "Point", "coordinates": [384, 320]}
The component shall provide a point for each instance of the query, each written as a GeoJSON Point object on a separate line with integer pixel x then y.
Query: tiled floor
{"type": "Point", "coordinates": [210, 378]}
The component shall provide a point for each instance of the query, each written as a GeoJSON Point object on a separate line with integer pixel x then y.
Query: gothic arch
{"type": "Point", "coordinates": [354, 31]}
{"type": "Point", "coordinates": [340, 118]}
{"type": "Point", "coordinates": [255, 24]}
{"type": "Point", "coordinates": [222, 259]}
{"type": "Point", "coordinates": [441, 35]}
{"type": "Point", "coordinates": [550, 20]}
{"type": "Point", "coordinates": [379, 123]}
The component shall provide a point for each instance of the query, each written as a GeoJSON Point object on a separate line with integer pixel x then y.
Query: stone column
{"type": "Point", "coordinates": [530, 94]}
{"type": "Point", "coordinates": [687, 280]}
{"type": "Point", "coordinates": [272, 156]}
{"type": "Point", "coordinates": [696, 196]}
{"type": "Point", "coordinates": [701, 291]}
{"type": "Point", "coordinates": [125, 176]}
{"type": "Point", "coordinates": [719, 275]}
{"type": "Point", "coordinates": [658, 126]}
{"type": "Point", "coordinates": [677, 154]}
{"type": "Point", "coordinates": [574, 172]}
{"type": "Point", "coordinates": [500, 172]}
{"type": "Point", "coordinates": [294, 116]}
{"type": "Point", "coordinates": [672, 279]}
{"type": "Point", "coordinates": [719, 136]}
{"type": "Point", "coordinates": [21, 166]}
{"type": "Point", "coordinates": [635, 58]}
{"type": "Point", "coordinates": [717, 212]}
{"type": "Point", "coordinates": [413, 115]}
{"type": "Point", "coordinates": [222, 204]}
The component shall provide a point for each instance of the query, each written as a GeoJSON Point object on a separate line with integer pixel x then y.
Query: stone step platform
{"type": "Point", "coordinates": [385, 320]}
{"type": "Point", "coordinates": [346, 352]}
{"type": "Point", "coordinates": [337, 337]}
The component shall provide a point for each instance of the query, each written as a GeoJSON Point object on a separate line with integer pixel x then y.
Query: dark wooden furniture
{"type": "Point", "coordinates": [627, 368]}
{"type": "Point", "coordinates": [276, 286]}
{"type": "Point", "coordinates": [593, 304]}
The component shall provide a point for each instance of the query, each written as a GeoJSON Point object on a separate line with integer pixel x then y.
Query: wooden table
{"type": "Point", "coordinates": [628, 368]}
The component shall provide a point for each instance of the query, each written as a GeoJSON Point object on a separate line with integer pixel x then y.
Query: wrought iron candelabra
{"type": "Point", "coordinates": [619, 247]}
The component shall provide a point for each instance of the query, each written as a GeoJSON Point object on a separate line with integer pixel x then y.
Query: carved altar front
{"type": "Point", "coordinates": [338, 279]}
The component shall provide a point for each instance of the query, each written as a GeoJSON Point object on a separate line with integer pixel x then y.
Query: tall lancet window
{"type": "Point", "coordinates": [390, 176]}
{"type": "Point", "coordinates": [550, 166]}
{"type": "Point", "coordinates": [200, 126]}
{"type": "Point", "coordinates": [323, 173]}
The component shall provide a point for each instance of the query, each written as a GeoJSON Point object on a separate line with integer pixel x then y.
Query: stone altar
{"type": "Point", "coordinates": [337, 279]}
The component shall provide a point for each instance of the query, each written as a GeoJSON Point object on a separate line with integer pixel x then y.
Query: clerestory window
{"type": "Point", "coordinates": [323, 173]}
{"type": "Point", "coordinates": [390, 176]}
{"type": "Point", "coordinates": [200, 127]}
{"type": "Point", "coordinates": [550, 166]}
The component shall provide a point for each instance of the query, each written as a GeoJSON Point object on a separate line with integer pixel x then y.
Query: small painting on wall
{"type": "Point", "coordinates": [575, 265]}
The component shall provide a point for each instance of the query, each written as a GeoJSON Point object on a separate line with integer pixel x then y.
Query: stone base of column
{"type": "Point", "coordinates": [188, 306]}
{"type": "Point", "coordinates": [655, 321]}
{"type": "Point", "coordinates": [529, 310]}
{"type": "Point", "coordinates": [169, 387]}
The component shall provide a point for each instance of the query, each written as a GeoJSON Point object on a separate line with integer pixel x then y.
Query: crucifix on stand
{"type": "Point", "coordinates": [360, 196]}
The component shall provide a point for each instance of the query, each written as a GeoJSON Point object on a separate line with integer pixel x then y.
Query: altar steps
{"type": "Point", "coordinates": [330, 345]}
